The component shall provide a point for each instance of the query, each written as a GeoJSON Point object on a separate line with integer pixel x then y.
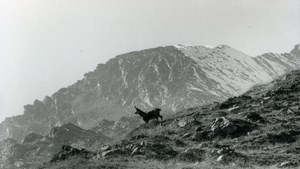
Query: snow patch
{"type": "Point", "coordinates": [192, 87]}
{"type": "Point", "coordinates": [156, 69]}
{"type": "Point", "coordinates": [73, 112]}
{"type": "Point", "coordinates": [7, 132]}
{"type": "Point", "coordinates": [123, 74]}
{"type": "Point", "coordinates": [79, 123]}
{"type": "Point", "coordinates": [58, 124]}
{"type": "Point", "coordinates": [147, 100]}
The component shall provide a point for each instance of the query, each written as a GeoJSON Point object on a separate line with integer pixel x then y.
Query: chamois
{"type": "Point", "coordinates": [147, 116]}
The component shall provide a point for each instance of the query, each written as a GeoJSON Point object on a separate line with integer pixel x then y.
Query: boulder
{"type": "Point", "coordinates": [143, 143]}
{"type": "Point", "coordinates": [254, 117]}
{"type": "Point", "coordinates": [220, 159]}
{"type": "Point", "coordinates": [135, 151]}
{"type": "Point", "coordinates": [226, 127]}
{"type": "Point", "coordinates": [112, 153]}
{"type": "Point", "coordinates": [226, 155]}
{"type": "Point", "coordinates": [186, 135]}
{"type": "Point", "coordinates": [68, 151]}
{"type": "Point", "coordinates": [222, 151]}
{"type": "Point", "coordinates": [18, 164]}
{"type": "Point", "coordinates": [105, 148]}
{"type": "Point", "coordinates": [188, 120]}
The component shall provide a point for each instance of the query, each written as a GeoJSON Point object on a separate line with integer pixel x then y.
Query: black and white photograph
{"type": "Point", "coordinates": [149, 84]}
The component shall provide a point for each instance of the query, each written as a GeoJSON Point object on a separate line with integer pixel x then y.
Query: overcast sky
{"type": "Point", "coordinates": [49, 44]}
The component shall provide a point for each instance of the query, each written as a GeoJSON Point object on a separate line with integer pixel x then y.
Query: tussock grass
{"type": "Point", "coordinates": [134, 163]}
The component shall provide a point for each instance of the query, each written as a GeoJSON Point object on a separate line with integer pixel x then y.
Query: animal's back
{"type": "Point", "coordinates": [157, 110]}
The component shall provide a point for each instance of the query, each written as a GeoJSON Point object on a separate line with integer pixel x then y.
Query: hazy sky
{"type": "Point", "coordinates": [49, 44]}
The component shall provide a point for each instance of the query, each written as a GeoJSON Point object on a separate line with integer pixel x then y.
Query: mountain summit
{"type": "Point", "coordinates": [171, 77]}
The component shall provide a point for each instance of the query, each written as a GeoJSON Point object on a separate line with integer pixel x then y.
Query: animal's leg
{"type": "Point", "coordinates": [161, 117]}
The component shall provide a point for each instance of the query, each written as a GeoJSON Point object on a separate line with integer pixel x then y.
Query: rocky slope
{"type": "Point", "coordinates": [117, 129]}
{"type": "Point", "coordinates": [35, 149]}
{"type": "Point", "coordinates": [172, 77]}
{"type": "Point", "coordinates": [260, 128]}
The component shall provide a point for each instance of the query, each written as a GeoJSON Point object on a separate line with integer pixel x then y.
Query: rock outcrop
{"type": "Point", "coordinates": [35, 149]}
{"type": "Point", "coordinates": [68, 151]}
{"type": "Point", "coordinates": [226, 127]}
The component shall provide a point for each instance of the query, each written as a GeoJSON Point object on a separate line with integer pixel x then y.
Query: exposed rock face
{"type": "Point", "coordinates": [231, 127]}
{"type": "Point", "coordinates": [171, 78]}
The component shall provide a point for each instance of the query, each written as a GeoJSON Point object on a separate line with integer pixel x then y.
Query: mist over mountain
{"type": "Point", "coordinates": [171, 77]}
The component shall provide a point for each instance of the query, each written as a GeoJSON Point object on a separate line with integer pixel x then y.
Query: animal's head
{"type": "Point", "coordinates": [137, 110]}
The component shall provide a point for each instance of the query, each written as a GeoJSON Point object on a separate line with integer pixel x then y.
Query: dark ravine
{"type": "Point", "coordinates": [172, 78]}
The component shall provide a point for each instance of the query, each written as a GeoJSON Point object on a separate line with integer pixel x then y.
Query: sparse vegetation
{"type": "Point", "coordinates": [136, 163]}
{"type": "Point", "coordinates": [248, 131]}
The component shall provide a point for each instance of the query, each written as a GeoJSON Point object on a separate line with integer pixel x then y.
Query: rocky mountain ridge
{"type": "Point", "coordinates": [172, 77]}
{"type": "Point", "coordinates": [259, 129]}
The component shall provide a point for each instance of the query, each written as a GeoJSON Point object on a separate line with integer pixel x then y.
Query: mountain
{"type": "Point", "coordinates": [171, 77]}
{"type": "Point", "coordinates": [258, 129]}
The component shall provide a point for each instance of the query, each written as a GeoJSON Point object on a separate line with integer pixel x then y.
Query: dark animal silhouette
{"type": "Point", "coordinates": [147, 116]}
